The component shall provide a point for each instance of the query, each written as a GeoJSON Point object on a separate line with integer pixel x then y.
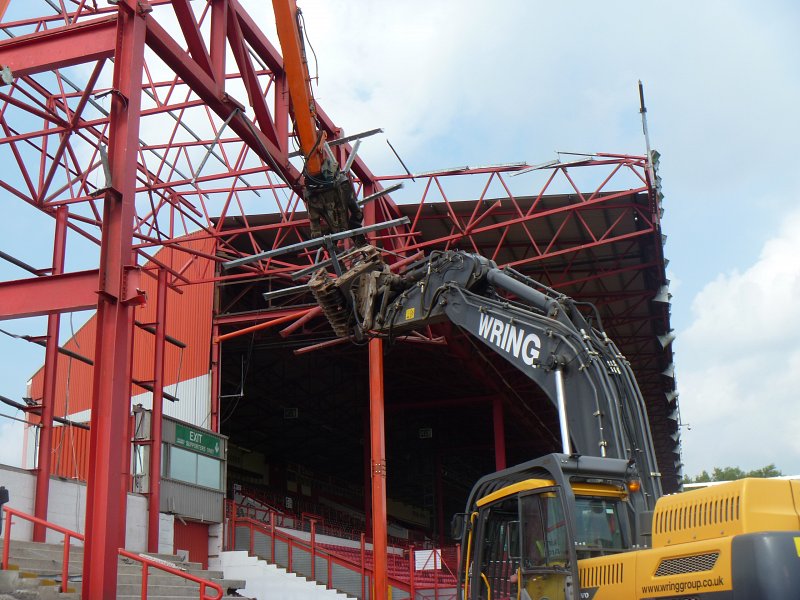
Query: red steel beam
{"type": "Point", "coordinates": [154, 475]}
{"type": "Point", "coordinates": [49, 387]}
{"type": "Point", "coordinates": [378, 470]}
{"type": "Point", "coordinates": [191, 31]}
{"type": "Point", "coordinates": [61, 47]}
{"type": "Point", "coordinates": [264, 325]}
{"type": "Point", "coordinates": [106, 498]}
{"type": "Point", "coordinates": [213, 95]}
{"type": "Point", "coordinates": [45, 295]}
{"type": "Point", "coordinates": [499, 434]}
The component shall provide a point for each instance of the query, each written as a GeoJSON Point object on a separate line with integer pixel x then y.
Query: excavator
{"type": "Point", "coordinates": [586, 523]}
{"type": "Point", "coordinates": [589, 522]}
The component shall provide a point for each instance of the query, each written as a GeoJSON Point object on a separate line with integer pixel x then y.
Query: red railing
{"type": "Point", "coordinates": [68, 535]}
{"type": "Point", "coordinates": [148, 562]}
{"type": "Point", "coordinates": [442, 587]}
{"type": "Point", "coordinates": [302, 521]}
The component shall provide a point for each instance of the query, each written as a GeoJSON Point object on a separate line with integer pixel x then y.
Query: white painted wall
{"type": "Point", "coordinates": [194, 407]}
{"type": "Point", "coordinates": [195, 401]}
{"type": "Point", "coordinates": [67, 507]}
{"type": "Point", "coordinates": [215, 533]}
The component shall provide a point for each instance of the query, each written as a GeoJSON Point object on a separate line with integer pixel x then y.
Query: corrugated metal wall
{"type": "Point", "coordinates": [189, 316]}
{"type": "Point", "coordinates": [70, 453]}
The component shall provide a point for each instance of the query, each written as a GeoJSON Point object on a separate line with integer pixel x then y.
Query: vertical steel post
{"type": "Point", "coordinates": [367, 480]}
{"type": "Point", "coordinates": [411, 567]}
{"type": "Point", "coordinates": [561, 398]}
{"type": "Point", "coordinates": [439, 497]}
{"type": "Point", "coordinates": [313, 548]}
{"type": "Point", "coordinates": [272, 537]}
{"type": "Point", "coordinates": [216, 365]}
{"type": "Point", "coordinates": [219, 27]}
{"type": "Point", "coordinates": [108, 471]}
{"type": "Point", "coordinates": [499, 434]}
{"type": "Point", "coordinates": [378, 462]}
{"type": "Point", "coordinates": [363, 563]}
{"type": "Point", "coordinates": [45, 456]}
{"type": "Point", "coordinates": [154, 498]}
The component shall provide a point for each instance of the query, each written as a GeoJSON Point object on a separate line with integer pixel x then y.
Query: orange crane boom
{"type": "Point", "coordinates": [328, 193]}
{"type": "Point", "coordinates": [295, 66]}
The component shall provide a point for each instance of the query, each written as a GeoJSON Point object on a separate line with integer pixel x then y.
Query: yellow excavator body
{"type": "Point", "coordinates": [714, 542]}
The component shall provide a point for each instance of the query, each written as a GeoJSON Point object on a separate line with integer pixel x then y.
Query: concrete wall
{"type": "Point", "coordinates": [67, 508]}
{"type": "Point", "coordinates": [215, 534]}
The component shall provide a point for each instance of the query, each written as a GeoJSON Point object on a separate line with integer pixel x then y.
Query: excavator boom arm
{"type": "Point", "coordinates": [539, 331]}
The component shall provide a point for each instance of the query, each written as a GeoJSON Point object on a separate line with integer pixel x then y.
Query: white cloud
{"type": "Point", "coordinates": [11, 434]}
{"type": "Point", "coordinates": [740, 360]}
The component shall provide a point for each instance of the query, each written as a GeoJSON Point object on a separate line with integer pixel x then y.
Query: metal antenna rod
{"type": "Point", "coordinates": [643, 112]}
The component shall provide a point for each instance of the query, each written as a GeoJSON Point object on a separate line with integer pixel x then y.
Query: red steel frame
{"type": "Point", "coordinates": [183, 154]}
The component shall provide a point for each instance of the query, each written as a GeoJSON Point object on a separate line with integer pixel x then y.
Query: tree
{"type": "Point", "coordinates": [733, 473]}
{"type": "Point", "coordinates": [727, 474]}
{"type": "Point", "coordinates": [768, 471]}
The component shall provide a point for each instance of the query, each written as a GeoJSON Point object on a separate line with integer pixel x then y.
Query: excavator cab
{"type": "Point", "coordinates": [527, 527]}
{"type": "Point", "coordinates": [521, 545]}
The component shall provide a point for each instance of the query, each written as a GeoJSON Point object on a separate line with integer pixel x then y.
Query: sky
{"type": "Point", "coordinates": [468, 82]}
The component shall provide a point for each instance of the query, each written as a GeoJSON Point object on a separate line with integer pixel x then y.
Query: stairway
{"type": "Point", "coordinates": [267, 581]}
{"type": "Point", "coordinates": [35, 572]}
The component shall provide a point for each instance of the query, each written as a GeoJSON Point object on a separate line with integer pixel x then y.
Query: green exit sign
{"type": "Point", "coordinates": [198, 441]}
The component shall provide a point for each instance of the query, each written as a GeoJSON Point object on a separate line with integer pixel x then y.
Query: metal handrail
{"type": "Point", "coordinates": [328, 555]}
{"type": "Point", "coordinates": [68, 534]}
{"type": "Point", "coordinates": [148, 562]}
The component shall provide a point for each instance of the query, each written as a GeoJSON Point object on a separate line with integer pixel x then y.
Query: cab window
{"type": "Point", "coordinates": [544, 532]}
{"type": "Point", "coordinates": [499, 549]}
{"type": "Point", "coordinates": [598, 523]}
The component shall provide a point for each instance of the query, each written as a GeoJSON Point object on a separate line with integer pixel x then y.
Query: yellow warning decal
{"type": "Point", "coordinates": [797, 545]}
{"type": "Point", "coordinates": [410, 312]}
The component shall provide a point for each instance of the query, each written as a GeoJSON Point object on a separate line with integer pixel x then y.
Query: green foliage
{"type": "Point", "coordinates": [733, 473]}
{"type": "Point", "coordinates": [768, 471]}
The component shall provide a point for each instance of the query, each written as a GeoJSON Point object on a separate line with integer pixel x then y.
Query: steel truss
{"type": "Point", "coordinates": [129, 127]}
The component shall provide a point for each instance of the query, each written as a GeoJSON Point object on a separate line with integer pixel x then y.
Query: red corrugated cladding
{"type": "Point", "coordinates": [189, 316]}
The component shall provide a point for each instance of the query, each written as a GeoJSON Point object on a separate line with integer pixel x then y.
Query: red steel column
{"type": "Point", "coordinates": [215, 371]}
{"type": "Point", "coordinates": [439, 491]}
{"type": "Point", "coordinates": [108, 470]}
{"type": "Point", "coordinates": [499, 434]}
{"type": "Point", "coordinates": [216, 365]}
{"type": "Point", "coordinates": [154, 499]}
{"type": "Point", "coordinates": [49, 387]}
{"type": "Point", "coordinates": [367, 479]}
{"type": "Point", "coordinates": [378, 462]}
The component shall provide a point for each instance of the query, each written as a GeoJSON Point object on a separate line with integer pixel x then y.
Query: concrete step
{"type": "Point", "coordinates": [13, 582]}
{"type": "Point", "coordinates": [44, 551]}
{"type": "Point", "coordinates": [38, 595]}
{"type": "Point", "coordinates": [35, 572]}
{"type": "Point", "coordinates": [22, 544]}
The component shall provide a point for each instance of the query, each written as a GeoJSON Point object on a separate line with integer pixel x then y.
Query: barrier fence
{"type": "Point", "coordinates": [346, 569]}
